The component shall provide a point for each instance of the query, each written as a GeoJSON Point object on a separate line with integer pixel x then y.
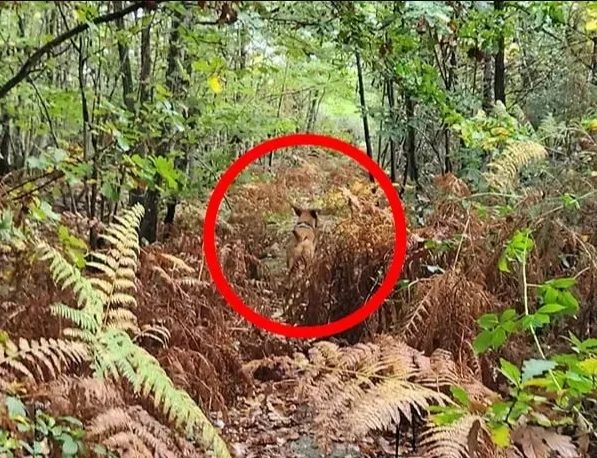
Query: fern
{"type": "Point", "coordinates": [103, 317]}
{"type": "Point", "coordinates": [458, 440]}
{"type": "Point", "coordinates": [366, 387]}
{"type": "Point", "coordinates": [29, 358]}
{"type": "Point", "coordinates": [503, 171]}
{"type": "Point", "coordinates": [116, 424]}
{"type": "Point", "coordinates": [551, 132]}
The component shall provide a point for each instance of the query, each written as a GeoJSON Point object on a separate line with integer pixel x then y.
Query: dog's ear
{"type": "Point", "coordinates": [297, 211]}
{"type": "Point", "coordinates": [314, 212]}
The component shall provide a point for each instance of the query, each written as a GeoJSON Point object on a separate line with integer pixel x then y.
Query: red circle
{"type": "Point", "coordinates": [226, 290]}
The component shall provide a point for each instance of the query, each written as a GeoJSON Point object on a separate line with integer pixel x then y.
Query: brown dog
{"type": "Point", "coordinates": [304, 235]}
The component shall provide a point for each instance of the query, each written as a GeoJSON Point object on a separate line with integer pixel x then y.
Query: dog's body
{"type": "Point", "coordinates": [304, 236]}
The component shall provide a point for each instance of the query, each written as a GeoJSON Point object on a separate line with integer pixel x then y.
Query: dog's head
{"type": "Point", "coordinates": [306, 215]}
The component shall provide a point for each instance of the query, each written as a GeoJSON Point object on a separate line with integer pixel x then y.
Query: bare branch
{"type": "Point", "coordinates": [37, 56]}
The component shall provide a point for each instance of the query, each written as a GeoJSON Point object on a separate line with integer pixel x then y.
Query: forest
{"type": "Point", "coordinates": [119, 120]}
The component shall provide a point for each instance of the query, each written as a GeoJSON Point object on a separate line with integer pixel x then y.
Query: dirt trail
{"type": "Point", "coordinates": [274, 422]}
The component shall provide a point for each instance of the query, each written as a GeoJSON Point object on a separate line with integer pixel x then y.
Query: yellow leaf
{"type": "Point", "coordinates": [591, 24]}
{"type": "Point", "coordinates": [501, 436]}
{"type": "Point", "coordinates": [214, 84]}
{"type": "Point", "coordinates": [592, 125]}
{"type": "Point", "coordinates": [589, 366]}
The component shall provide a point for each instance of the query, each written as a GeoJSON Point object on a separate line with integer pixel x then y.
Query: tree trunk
{"type": "Point", "coordinates": [125, 63]}
{"type": "Point", "coordinates": [173, 83]}
{"type": "Point", "coordinates": [311, 115]}
{"type": "Point", "coordinates": [364, 110]}
{"type": "Point", "coordinates": [391, 106]}
{"type": "Point", "coordinates": [487, 83]}
{"type": "Point", "coordinates": [5, 145]}
{"type": "Point", "coordinates": [500, 69]}
{"type": "Point", "coordinates": [145, 72]}
{"type": "Point", "coordinates": [450, 85]}
{"type": "Point", "coordinates": [137, 195]}
{"type": "Point", "coordinates": [411, 158]}
{"type": "Point", "coordinates": [594, 63]}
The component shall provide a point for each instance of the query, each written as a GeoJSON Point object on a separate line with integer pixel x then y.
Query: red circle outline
{"type": "Point", "coordinates": [211, 255]}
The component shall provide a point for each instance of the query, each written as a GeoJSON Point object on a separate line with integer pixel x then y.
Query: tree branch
{"type": "Point", "coordinates": [37, 56]}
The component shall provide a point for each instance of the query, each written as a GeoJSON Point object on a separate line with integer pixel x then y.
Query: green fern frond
{"type": "Point", "coordinates": [146, 376]}
{"type": "Point", "coordinates": [82, 318]}
{"type": "Point", "coordinates": [67, 275]}
{"type": "Point", "coordinates": [99, 331]}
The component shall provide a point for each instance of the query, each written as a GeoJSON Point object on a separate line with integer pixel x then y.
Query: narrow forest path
{"type": "Point", "coordinates": [274, 421]}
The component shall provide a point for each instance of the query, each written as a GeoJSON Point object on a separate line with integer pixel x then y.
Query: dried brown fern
{"type": "Point", "coordinates": [117, 428]}
{"type": "Point", "coordinates": [40, 359]}
{"type": "Point", "coordinates": [364, 388]}
{"type": "Point", "coordinates": [444, 312]}
{"type": "Point", "coordinates": [459, 440]}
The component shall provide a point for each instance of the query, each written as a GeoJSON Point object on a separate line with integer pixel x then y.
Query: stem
{"type": "Point", "coordinates": [525, 298]}
{"type": "Point", "coordinates": [537, 343]}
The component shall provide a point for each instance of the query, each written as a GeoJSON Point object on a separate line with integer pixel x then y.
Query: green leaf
{"type": "Point", "coordinates": [503, 264]}
{"type": "Point", "coordinates": [72, 420]}
{"type": "Point", "coordinates": [500, 410]}
{"type": "Point", "coordinates": [15, 407]}
{"type": "Point", "coordinates": [460, 395]}
{"type": "Point", "coordinates": [445, 415]}
{"type": "Point", "coordinates": [498, 338]}
{"type": "Point", "coordinates": [482, 342]}
{"type": "Point", "coordinates": [510, 371]}
{"type": "Point", "coordinates": [488, 321]}
{"type": "Point", "coordinates": [588, 344]}
{"type": "Point", "coordinates": [550, 295]}
{"type": "Point", "coordinates": [69, 446]}
{"type": "Point", "coordinates": [508, 315]}
{"type": "Point", "coordinates": [562, 283]}
{"type": "Point", "coordinates": [534, 367]}
{"type": "Point", "coordinates": [551, 308]}
{"type": "Point", "coordinates": [570, 302]}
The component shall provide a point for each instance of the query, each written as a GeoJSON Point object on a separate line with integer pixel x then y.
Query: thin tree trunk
{"type": "Point", "coordinates": [364, 110]}
{"type": "Point", "coordinates": [125, 63]}
{"type": "Point", "coordinates": [88, 144]}
{"type": "Point", "coordinates": [500, 69]}
{"type": "Point", "coordinates": [279, 110]}
{"type": "Point", "coordinates": [137, 195]}
{"type": "Point", "coordinates": [173, 83]}
{"type": "Point", "coordinates": [487, 83]}
{"type": "Point", "coordinates": [450, 84]}
{"type": "Point", "coordinates": [411, 158]}
{"type": "Point", "coordinates": [594, 62]}
{"type": "Point", "coordinates": [5, 145]}
{"type": "Point", "coordinates": [392, 106]}
{"type": "Point", "coordinates": [145, 73]}
{"type": "Point", "coordinates": [381, 123]}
